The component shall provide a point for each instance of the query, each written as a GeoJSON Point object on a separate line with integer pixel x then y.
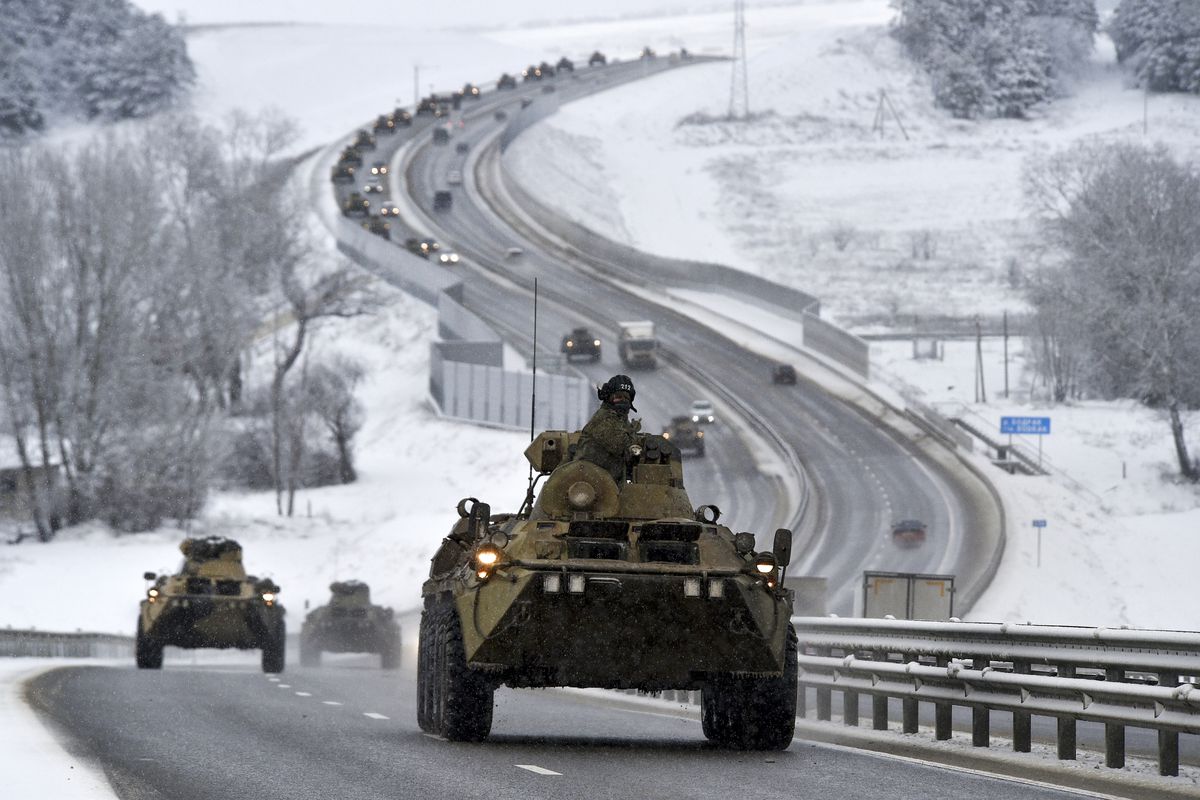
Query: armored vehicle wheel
{"type": "Point", "coordinates": [426, 719]}
{"type": "Point", "coordinates": [459, 700]}
{"type": "Point", "coordinates": [389, 654]}
{"type": "Point", "coordinates": [310, 654]}
{"type": "Point", "coordinates": [273, 650]}
{"type": "Point", "coordinates": [148, 652]}
{"type": "Point", "coordinates": [753, 713]}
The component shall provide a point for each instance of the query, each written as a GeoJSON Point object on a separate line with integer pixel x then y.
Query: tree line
{"type": "Point", "coordinates": [159, 289]}
{"type": "Point", "coordinates": [99, 59]}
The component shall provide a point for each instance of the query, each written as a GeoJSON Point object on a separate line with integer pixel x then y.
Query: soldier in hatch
{"type": "Point", "coordinates": [608, 434]}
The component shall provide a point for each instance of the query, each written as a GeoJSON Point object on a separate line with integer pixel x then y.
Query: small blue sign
{"type": "Point", "coordinates": [1028, 426]}
{"type": "Point", "coordinates": [1039, 523]}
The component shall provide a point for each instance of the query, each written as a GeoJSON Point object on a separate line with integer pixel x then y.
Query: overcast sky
{"type": "Point", "coordinates": [449, 13]}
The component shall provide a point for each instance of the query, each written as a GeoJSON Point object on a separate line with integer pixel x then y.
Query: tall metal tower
{"type": "Point", "coordinates": [739, 88]}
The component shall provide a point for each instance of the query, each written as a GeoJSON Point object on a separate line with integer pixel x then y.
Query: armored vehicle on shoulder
{"type": "Point", "coordinates": [364, 140]}
{"type": "Point", "coordinates": [342, 173]}
{"type": "Point", "coordinates": [378, 226]}
{"type": "Point", "coordinates": [355, 203]}
{"type": "Point", "coordinates": [351, 155]}
{"type": "Point", "coordinates": [565, 65]}
{"type": "Point", "coordinates": [349, 623]}
{"type": "Point", "coordinates": [385, 123]}
{"type": "Point", "coordinates": [402, 117]}
{"type": "Point", "coordinates": [210, 602]}
{"type": "Point", "coordinates": [685, 435]}
{"type": "Point", "coordinates": [597, 583]}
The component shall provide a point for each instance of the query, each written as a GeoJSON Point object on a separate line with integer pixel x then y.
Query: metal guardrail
{"type": "Point", "coordinates": [1115, 676]}
{"type": "Point", "coordinates": [47, 644]}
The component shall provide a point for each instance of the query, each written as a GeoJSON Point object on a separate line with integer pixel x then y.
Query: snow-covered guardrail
{"type": "Point", "coordinates": [47, 644]}
{"type": "Point", "coordinates": [1115, 676]}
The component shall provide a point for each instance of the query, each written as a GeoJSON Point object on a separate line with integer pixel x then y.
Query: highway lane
{"type": "Point", "coordinates": [865, 477]}
{"type": "Point", "coordinates": [349, 730]}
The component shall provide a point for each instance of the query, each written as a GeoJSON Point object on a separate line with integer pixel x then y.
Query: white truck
{"type": "Point", "coordinates": [637, 345]}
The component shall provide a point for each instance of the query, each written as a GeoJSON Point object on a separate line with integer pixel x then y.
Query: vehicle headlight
{"type": "Point", "coordinates": [570, 343]}
{"type": "Point", "coordinates": [765, 564]}
{"type": "Point", "coordinates": [666, 434]}
{"type": "Point", "coordinates": [486, 559]}
{"type": "Point", "coordinates": [699, 434]}
{"type": "Point", "coordinates": [695, 417]}
{"type": "Point", "coordinates": [152, 595]}
{"type": "Point", "coordinates": [596, 342]}
{"type": "Point", "coordinates": [269, 598]}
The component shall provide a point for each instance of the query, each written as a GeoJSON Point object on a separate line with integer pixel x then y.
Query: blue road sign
{"type": "Point", "coordinates": [1029, 426]}
{"type": "Point", "coordinates": [1039, 523]}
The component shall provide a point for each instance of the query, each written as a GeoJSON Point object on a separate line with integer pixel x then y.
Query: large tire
{"type": "Point", "coordinates": [310, 652]}
{"type": "Point", "coordinates": [753, 713]}
{"type": "Point", "coordinates": [467, 696]}
{"type": "Point", "coordinates": [148, 651]}
{"type": "Point", "coordinates": [426, 717]}
{"type": "Point", "coordinates": [273, 651]}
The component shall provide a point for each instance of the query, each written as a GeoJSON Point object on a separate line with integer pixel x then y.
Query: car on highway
{"type": "Point", "coordinates": [685, 435]}
{"type": "Point", "coordinates": [448, 257]}
{"type": "Point", "coordinates": [462, 147]}
{"type": "Point", "coordinates": [423, 247]}
{"type": "Point", "coordinates": [378, 226]}
{"type": "Point", "coordinates": [597, 59]}
{"type": "Point", "coordinates": [513, 252]}
{"type": "Point", "coordinates": [454, 177]}
{"type": "Point", "coordinates": [580, 342]}
{"type": "Point", "coordinates": [441, 136]}
{"type": "Point", "coordinates": [373, 186]}
{"type": "Point", "coordinates": [783, 374]}
{"type": "Point", "coordinates": [389, 208]}
{"type": "Point", "coordinates": [355, 203]}
{"type": "Point", "coordinates": [908, 533]}
{"type": "Point", "coordinates": [443, 200]}
{"type": "Point", "coordinates": [701, 411]}
{"type": "Point", "coordinates": [379, 168]}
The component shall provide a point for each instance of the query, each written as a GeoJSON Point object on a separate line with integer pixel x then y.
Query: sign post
{"type": "Point", "coordinates": [1038, 525]}
{"type": "Point", "coordinates": [1026, 426]}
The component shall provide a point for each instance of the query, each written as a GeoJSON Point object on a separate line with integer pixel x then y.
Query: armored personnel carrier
{"type": "Point", "coordinates": [378, 226]}
{"type": "Point", "coordinates": [350, 624]}
{"type": "Point", "coordinates": [685, 434]}
{"type": "Point", "coordinates": [363, 140]}
{"type": "Point", "coordinates": [597, 583]}
{"type": "Point", "coordinates": [210, 602]}
{"type": "Point", "coordinates": [506, 81]}
{"type": "Point", "coordinates": [355, 203]}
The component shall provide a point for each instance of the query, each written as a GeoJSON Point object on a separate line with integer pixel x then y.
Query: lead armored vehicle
{"type": "Point", "coordinates": [350, 623]}
{"type": "Point", "coordinates": [210, 602]}
{"type": "Point", "coordinates": [618, 585]}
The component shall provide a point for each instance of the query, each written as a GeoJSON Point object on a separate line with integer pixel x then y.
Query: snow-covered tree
{"type": "Point", "coordinates": [1160, 41]}
{"type": "Point", "coordinates": [19, 111]}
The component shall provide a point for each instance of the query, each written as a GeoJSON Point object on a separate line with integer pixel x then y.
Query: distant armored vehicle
{"type": "Point", "coordinates": [565, 65]}
{"type": "Point", "coordinates": [580, 342]}
{"type": "Point", "coordinates": [210, 602]}
{"type": "Point", "coordinates": [620, 585]}
{"type": "Point", "coordinates": [783, 374]}
{"type": "Point", "coordinates": [378, 226]}
{"type": "Point", "coordinates": [364, 140]}
{"type": "Point", "coordinates": [647, 53]}
{"type": "Point", "coordinates": [354, 204]}
{"type": "Point", "coordinates": [385, 124]}
{"type": "Point", "coordinates": [442, 200]}
{"type": "Point", "coordinates": [351, 155]}
{"type": "Point", "coordinates": [637, 345]}
{"type": "Point", "coordinates": [506, 81]}
{"type": "Point", "coordinates": [685, 435]}
{"type": "Point", "coordinates": [402, 117]}
{"type": "Point", "coordinates": [532, 73]}
{"type": "Point", "coordinates": [421, 247]}
{"type": "Point", "coordinates": [350, 624]}
{"type": "Point", "coordinates": [470, 90]}
{"type": "Point", "coordinates": [441, 136]}
{"type": "Point", "coordinates": [597, 59]}
{"type": "Point", "coordinates": [342, 173]}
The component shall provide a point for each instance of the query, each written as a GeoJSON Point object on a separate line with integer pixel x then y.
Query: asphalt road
{"type": "Point", "coordinates": [349, 731]}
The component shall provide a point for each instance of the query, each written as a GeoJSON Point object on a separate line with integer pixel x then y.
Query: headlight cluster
{"type": "Point", "coordinates": [486, 559]}
{"type": "Point", "coordinates": [152, 595]}
{"type": "Point", "coordinates": [596, 343]}
{"type": "Point", "coordinates": [767, 568]}
{"type": "Point", "coordinates": [268, 598]}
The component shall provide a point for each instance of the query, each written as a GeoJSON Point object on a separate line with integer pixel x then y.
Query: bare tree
{"type": "Point", "coordinates": [1128, 220]}
{"type": "Point", "coordinates": [331, 396]}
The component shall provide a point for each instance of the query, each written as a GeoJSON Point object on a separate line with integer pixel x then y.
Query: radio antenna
{"type": "Point", "coordinates": [532, 399]}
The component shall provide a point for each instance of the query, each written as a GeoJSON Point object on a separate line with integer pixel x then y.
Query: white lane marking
{"type": "Point", "coordinates": [373, 715]}
{"type": "Point", "coordinates": [432, 736]}
{"type": "Point", "coordinates": [331, 702]}
{"type": "Point", "coordinates": [284, 686]}
{"type": "Point", "coordinates": [304, 694]}
{"type": "Point", "coordinates": [273, 680]}
{"type": "Point", "coordinates": [537, 769]}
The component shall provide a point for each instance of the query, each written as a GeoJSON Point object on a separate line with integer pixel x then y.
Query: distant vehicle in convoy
{"type": "Point", "coordinates": [350, 623]}
{"type": "Point", "coordinates": [702, 412]}
{"type": "Point", "coordinates": [210, 602]}
{"type": "Point", "coordinates": [462, 147]}
{"type": "Point", "coordinates": [909, 533]}
{"type": "Point", "coordinates": [454, 177]}
{"type": "Point", "coordinates": [402, 117]}
{"type": "Point", "coordinates": [684, 54]}
{"type": "Point", "coordinates": [389, 208]}
{"type": "Point", "coordinates": [685, 435]}
{"type": "Point", "coordinates": [448, 257]}
{"type": "Point", "coordinates": [364, 140]}
{"type": "Point", "coordinates": [373, 186]}
{"type": "Point", "coordinates": [354, 204]}
{"type": "Point", "coordinates": [565, 65]}
{"type": "Point", "coordinates": [379, 168]}
{"type": "Point", "coordinates": [429, 106]}
{"type": "Point", "coordinates": [351, 155]}
{"type": "Point", "coordinates": [610, 584]}
{"type": "Point", "coordinates": [470, 90]}
{"type": "Point", "coordinates": [637, 344]}
{"type": "Point", "coordinates": [506, 81]}
{"type": "Point", "coordinates": [384, 123]}
{"type": "Point", "coordinates": [647, 53]}
{"type": "Point", "coordinates": [532, 73]}
{"type": "Point", "coordinates": [443, 200]}
{"type": "Point", "coordinates": [342, 173]}
{"type": "Point", "coordinates": [597, 59]}
{"type": "Point", "coordinates": [441, 136]}
{"type": "Point", "coordinates": [783, 374]}
{"type": "Point", "coordinates": [547, 69]}
{"type": "Point", "coordinates": [421, 247]}
{"type": "Point", "coordinates": [580, 342]}
{"type": "Point", "coordinates": [500, 115]}
{"type": "Point", "coordinates": [378, 226]}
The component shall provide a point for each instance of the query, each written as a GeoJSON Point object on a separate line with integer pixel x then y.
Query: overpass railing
{"type": "Point", "coordinates": [48, 644]}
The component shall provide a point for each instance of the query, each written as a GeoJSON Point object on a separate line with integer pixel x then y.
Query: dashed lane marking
{"type": "Point", "coordinates": [304, 694]}
{"type": "Point", "coordinates": [536, 769]}
{"type": "Point", "coordinates": [285, 686]}
{"type": "Point", "coordinates": [331, 702]}
{"type": "Point", "coordinates": [373, 715]}
{"type": "Point", "coordinates": [432, 736]}
{"type": "Point", "coordinates": [273, 680]}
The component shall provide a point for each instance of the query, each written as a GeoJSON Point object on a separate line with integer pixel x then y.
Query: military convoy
{"type": "Point", "coordinates": [350, 623]}
{"type": "Point", "coordinates": [580, 342]}
{"type": "Point", "coordinates": [685, 434]}
{"type": "Point", "coordinates": [637, 345]}
{"type": "Point", "coordinates": [354, 204]}
{"type": "Point", "coordinates": [210, 602]}
{"type": "Point", "coordinates": [378, 226]}
{"type": "Point", "coordinates": [597, 583]}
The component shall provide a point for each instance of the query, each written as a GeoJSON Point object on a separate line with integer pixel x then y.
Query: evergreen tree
{"type": "Point", "coordinates": [18, 95]}
{"type": "Point", "coordinates": [1160, 41]}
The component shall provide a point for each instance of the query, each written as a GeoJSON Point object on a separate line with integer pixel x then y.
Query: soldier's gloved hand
{"type": "Point", "coordinates": [637, 425]}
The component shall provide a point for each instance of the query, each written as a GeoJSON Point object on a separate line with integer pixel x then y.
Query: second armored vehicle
{"type": "Point", "coordinates": [350, 623]}
{"type": "Point", "coordinates": [685, 435]}
{"type": "Point", "coordinates": [580, 342]}
{"type": "Point", "coordinates": [210, 602]}
{"type": "Point", "coordinates": [610, 584]}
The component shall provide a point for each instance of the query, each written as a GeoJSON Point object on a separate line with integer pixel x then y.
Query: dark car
{"type": "Point", "coordinates": [378, 226]}
{"type": "Point", "coordinates": [442, 200]}
{"type": "Point", "coordinates": [909, 533]}
{"type": "Point", "coordinates": [685, 435]}
{"type": "Point", "coordinates": [580, 342]}
{"type": "Point", "coordinates": [462, 147]}
{"type": "Point", "coordinates": [441, 136]}
{"type": "Point", "coordinates": [783, 374]}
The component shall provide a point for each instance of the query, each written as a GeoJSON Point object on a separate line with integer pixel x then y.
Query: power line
{"type": "Point", "coordinates": [739, 86]}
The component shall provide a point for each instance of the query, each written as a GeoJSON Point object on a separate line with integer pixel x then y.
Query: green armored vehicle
{"type": "Point", "coordinates": [685, 435]}
{"type": "Point", "coordinates": [350, 624]}
{"type": "Point", "coordinates": [595, 584]}
{"type": "Point", "coordinates": [210, 602]}
{"type": "Point", "coordinates": [355, 203]}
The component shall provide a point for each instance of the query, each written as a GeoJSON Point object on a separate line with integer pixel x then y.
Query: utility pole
{"type": "Point", "coordinates": [980, 388]}
{"type": "Point", "coordinates": [739, 85]}
{"type": "Point", "coordinates": [1006, 355]}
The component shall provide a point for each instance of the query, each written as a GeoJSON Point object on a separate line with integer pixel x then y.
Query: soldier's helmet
{"type": "Point", "coordinates": [616, 385]}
